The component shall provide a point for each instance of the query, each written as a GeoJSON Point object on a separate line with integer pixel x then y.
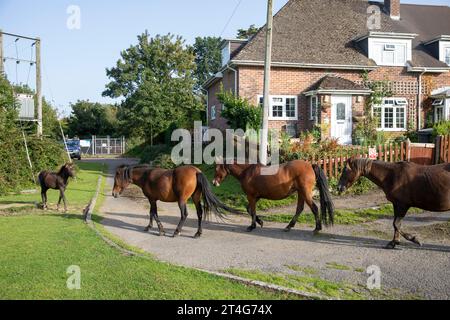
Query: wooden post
{"type": "Point", "coordinates": [408, 150]}
{"type": "Point", "coordinates": [402, 151]}
{"type": "Point", "coordinates": [2, 67]}
{"type": "Point", "coordinates": [437, 150]}
{"type": "Point", "coordinates": [380, 153]}
{"type": "Point", "coordinates": [267, 67]}
{"type": "Point", "coordinates": [39, 88]}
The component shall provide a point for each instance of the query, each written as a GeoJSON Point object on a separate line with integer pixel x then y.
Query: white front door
{"type": "Point", "coordinates": [341, 118]}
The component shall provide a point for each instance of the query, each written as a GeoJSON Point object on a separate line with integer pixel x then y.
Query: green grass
{"type": "Point", "coordinates": [305, 270]}
{"type": "Point", "coordinates": [37, 247]}
{"type": "Point", "coordinates": [344, 217]}
{"type": "Point", "coordinates": [321, 287]}
{"type": "Point", "coordinates": [337, 266]}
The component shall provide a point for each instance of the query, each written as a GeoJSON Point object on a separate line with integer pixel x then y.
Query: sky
{"type": "Point", "coordinates": [74, 59]}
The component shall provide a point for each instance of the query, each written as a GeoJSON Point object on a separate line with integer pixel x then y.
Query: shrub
{"type": "Point", "coordinates": [441, 129]}
{"type": "Point", "coordinates": [239, 112]}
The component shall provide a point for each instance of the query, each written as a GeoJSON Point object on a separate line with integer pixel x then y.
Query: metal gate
{"type": "Point", "coordinates": [108, 146]}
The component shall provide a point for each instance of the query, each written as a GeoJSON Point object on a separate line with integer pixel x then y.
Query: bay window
{"type": "Point", "coordinates": [314, 109]}
{"type": "Point", "coordinates": [391, 114]}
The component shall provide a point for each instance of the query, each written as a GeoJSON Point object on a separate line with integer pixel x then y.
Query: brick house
{"type": "Point", "coordinates": [322, 48]}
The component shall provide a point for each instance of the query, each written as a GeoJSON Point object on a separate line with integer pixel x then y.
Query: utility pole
{"type": "Point", "coordinates": [2, 68]}
{"type": "Point", "coordinates": [267, 66]}
{"type": "Point", "coordinates": [39, 88]}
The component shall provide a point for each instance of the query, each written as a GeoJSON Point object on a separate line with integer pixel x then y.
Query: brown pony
{"type": "Point", "coordinates": [177, 185]}
{"type": "Point", "coordinates": [58, 181]}
{"type": "Point", "coordinates": [406, 185]}
{"type": "Point", "coordinates": [293, 177]}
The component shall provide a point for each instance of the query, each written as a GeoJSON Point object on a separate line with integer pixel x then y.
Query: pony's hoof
{"type": "Point", "coordinates": [251, 228]}
{"type": "Point", "coordinates": [176, 234]}
{"type": "Point", "coordinates": [391, 245]}
{"type": "Point", "coordinates": [261, 223]}
{"type": "Point", "coordinates": [287, 229]}
{"type": "Point", "coordinates": [147, 229]}
{"type": "Point", "coordinates": [317, 231]}
{"type": "Point", "coordinates": [197, 235]}
{"type": "Point", "coordinates": [417, 241]}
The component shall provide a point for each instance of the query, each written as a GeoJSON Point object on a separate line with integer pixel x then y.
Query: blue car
{"type": "Point", "coordinates": [74, 148]}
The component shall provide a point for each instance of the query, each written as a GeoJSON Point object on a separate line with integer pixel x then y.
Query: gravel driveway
{"type": "Point", "coordinates": [422, 271]}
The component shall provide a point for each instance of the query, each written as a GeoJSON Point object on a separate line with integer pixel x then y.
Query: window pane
{"type": "Point", "coordinates": [400, 118]}
{"type": "Point", "coordinates": [389, 118]}
{"type": "Point", "coordinates": [447, 56]}
{"type": "Point", "coordinates": [277, 111]}
{"type": "Point", "coordinates": [439, 111]}
{"type": "Point", "coordinates": [400, 52]}
{"type": "Point", "coordinates": [340, 111]}
{"type": "Point", "coordinates": [290, 107]}
{"type": "Point", "coordinates": [261, 101]}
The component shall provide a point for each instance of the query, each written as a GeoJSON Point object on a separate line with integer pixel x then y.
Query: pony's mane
{"type": "Point", "coordinates": [62, 169]}
{"type": "Point", "coordinates": [363, 166]}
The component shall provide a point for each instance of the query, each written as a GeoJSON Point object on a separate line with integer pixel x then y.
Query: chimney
{"type": "Point", "coordinates": [393, 8]}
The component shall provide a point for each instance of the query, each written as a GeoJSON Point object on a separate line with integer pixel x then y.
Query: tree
{"type": "Point", "coordinates": [247, 33]}
{"type": "Point", "coordinates": [208, 58]}
{"type": "Point", "coordinates": [90, 118]}
{"type": "Point", "coordinates": [156, 80]}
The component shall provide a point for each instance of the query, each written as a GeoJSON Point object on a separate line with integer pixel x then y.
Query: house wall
{"type": "Point", "coordinates": [296, 81]}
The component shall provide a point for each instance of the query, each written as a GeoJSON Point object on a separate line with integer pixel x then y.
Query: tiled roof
{"type": "Point", "coordinates": [323, 32]}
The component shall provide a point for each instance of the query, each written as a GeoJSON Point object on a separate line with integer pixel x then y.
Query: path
{"type": "Point", "coordinates": [422, 271]}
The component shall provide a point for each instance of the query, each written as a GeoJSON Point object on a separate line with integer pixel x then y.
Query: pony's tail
{"type": "Point", "coordinates": [210, 201]}
{"type": "Point", "coordinates": [326, 203]}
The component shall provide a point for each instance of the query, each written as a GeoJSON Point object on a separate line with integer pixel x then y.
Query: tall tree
{"type": "Point", "coordinates": [208, 58]}
{"type": "Point", "coordinates": [156, 80]}
{"type": "Point", "coordinates": [247, 33]}
{"type": "Point", "coordinates": [90, 118]}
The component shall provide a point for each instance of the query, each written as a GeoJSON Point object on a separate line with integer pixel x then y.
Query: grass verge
{"type": "Point", "coordinates": [318, 286]}
{"type": "Point", "coordinates": [38, 247]}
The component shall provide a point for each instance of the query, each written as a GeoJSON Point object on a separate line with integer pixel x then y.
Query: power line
{"type": "Point", "coordinates": [231, 17]}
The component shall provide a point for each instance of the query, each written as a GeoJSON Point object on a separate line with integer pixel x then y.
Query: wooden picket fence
{"type": "Point", "coordinates": [443, 149]}
{"type": "Point", "coordinates": [333, 164]}
{"type": "Point", "coordinates": [424, 154]}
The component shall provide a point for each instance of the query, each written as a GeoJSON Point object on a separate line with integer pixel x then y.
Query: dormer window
{"type": "Point", "coordinates": [387, 48]}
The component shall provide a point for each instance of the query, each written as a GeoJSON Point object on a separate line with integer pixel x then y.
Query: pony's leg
{"type": "Point", "coordinates": [150, 225]}
{"type": "Point", "coordinates": [252, 211]}
{"type": "Point", "coordinates": [298, 212]}
{"type": "Point", "coordinates": [62, 192]}
{"type": "Point", "coordinates": [44, 199]}
{"type": "Point", "coordinates": [198, 205]}
{"type": "Point", "coordinates": [59, 201]}
{"type": "Point", "coordinates": [400, 213]}
{"type": "Point", "coordinates": [407, 236]}
{"type": "Point", "coordinates": [258, 219]}
{"type": "Point", "coordinates": [154, 215]}
{"type": "Point", "coordinates": [315, 210]}
{"type": "Point", "coordinates": [184, 215]}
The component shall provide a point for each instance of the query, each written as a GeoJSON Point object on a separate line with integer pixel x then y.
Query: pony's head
{"type": "Point", "coordinates": [220, 174]}
{"type": "Point", "coordinates": [122, 180]}
{"type": "Point", "coordinates": [353, 170]}
{"type": "Point", "coordinates": [68, 169]}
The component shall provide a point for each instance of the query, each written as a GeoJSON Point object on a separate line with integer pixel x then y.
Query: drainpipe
{"type": "Point", "coordinates": [419, 101]}
{"type": "Point", "coordinates": [235, 78]}
{"type": "Point", "coordinates": [207, 105]}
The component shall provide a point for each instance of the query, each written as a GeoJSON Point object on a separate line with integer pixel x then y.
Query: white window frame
{"type": "Point", "coordinates": [442, 108]}
{"type": "Point", "coordinates": [447, 55]}
{"type": "Point", "coordinates": [444, 47]}
{"type": "Point", "coordinates": [314, 116]}
{"type": "Point", "coordinates": [284, 98]}
{"type": "Point", "coordinates": [395, 103]}
{"type": "Point", "coordinates": [213, 113]}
